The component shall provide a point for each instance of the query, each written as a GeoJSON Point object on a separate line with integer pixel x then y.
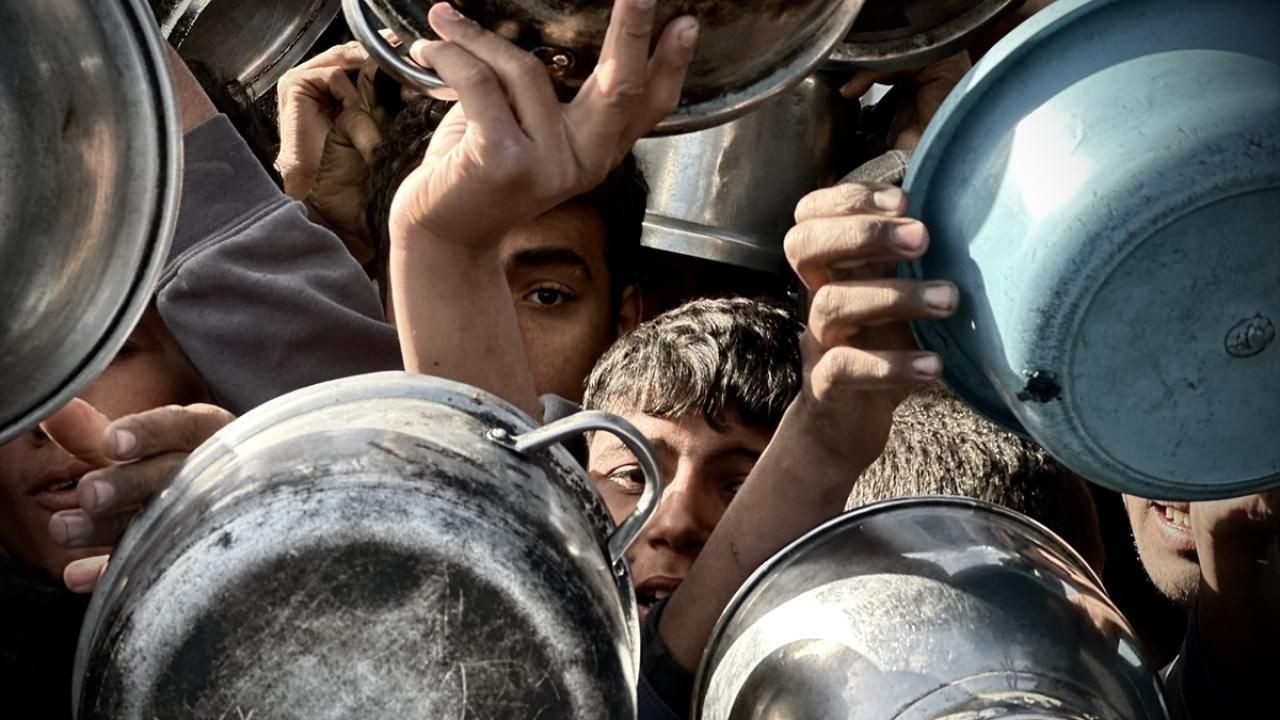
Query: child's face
{"type": "Point", "coordinates": [37, 477]}
{"type": "Point", "coordinates": [703, 470]}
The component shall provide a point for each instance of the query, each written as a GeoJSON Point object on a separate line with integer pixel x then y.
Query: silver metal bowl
{"type": "Point", "coordinates": [252, 42]}
{"type": "Point", "coordinates": [89, 173]}
{"type": "Point", "coordinates": [934, 608]}
{"type": "Point", "coordinates": [748, 51]}
{"type": "Point", "coordinates": [1104, 189]}
{"type": "Point", "coordinates": [729, 193]}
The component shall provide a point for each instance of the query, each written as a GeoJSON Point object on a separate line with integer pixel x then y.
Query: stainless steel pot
{"type": "Point", "coordinates": [898, 35]}
{"type": "Point", "coordinates": [729, 193]}
{"type": "Point", "coordinates": [252, 42]}
{"type": "Point", "coordinates": [385, 546]}
{"type": "Point", "coordinates": [748, 51]}
{"type": "Point", "coordinates": [89, 173]}
{"type": "Point", "coordinates": [933, 608]}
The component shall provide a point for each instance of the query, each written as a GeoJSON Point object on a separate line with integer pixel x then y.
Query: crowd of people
{"type": "Point", "coordinates": [491, 236]}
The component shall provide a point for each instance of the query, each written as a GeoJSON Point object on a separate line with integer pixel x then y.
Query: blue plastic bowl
{"type": "Point", "coordinates": [1104, 188]}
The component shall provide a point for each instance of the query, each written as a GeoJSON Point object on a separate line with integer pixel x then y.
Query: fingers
{"type": "Point", "coordinates": [847, 369]}
{"type": "Point", "coordinates": [82, 576]}
{"type": "Point", "coordinates": [173, 428]}
{"type": "Point", "coordinates": [78, 428]}
{"type": "Point", "coordinates": [618, 104]}
{"type": "Point", "coordinates": [664, 80]}
{"type": "Point", "coordinates": [860, 84]}
{"type": "Point", "coordinates": [362, 130]}
{"type": "Point", "coordinates": [347, 56]}
{"type": "Point", "coordinates": [476, 84]}
{"type": "Point", "coordinates": [79, 529]}
{"type": "Point", "coordinates": [120, 488]}
{"type": "Point", "coordinates": [851, 198]}
{"type": "Point", "coordinates": [840, 310]}
{"type": "Point", "coordinates": [817, 247]}
{"type": "Point", "coordinates": [523, 77]}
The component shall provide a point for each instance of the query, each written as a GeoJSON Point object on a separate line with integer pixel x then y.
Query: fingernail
{"type": "Point", "coordinates": [940, 297]}
{"type": "Point", "coordinates": [909, 236]}
{"type": "Point", "coordinates": [125, 442]}
{"type": "Point", "coordinates": [688, 35]}
{"type": "Point", "coordinates": [889, 198]}
{"type": "Point", "coordinates": [69, 527]}
{"type": "Point", "coordinates": [644, 4]}
{"type": "Point", "coordinates": [81, 575]}
{"type": "Point", "coordinates": [927, 366]}
{"type": "Point", "coordinates": [103, 492]}
{"type": "Point", "coordinates": [450, 12]}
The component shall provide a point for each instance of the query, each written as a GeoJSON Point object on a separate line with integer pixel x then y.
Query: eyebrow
{"type": "Point", "coordinates": [549, 257]}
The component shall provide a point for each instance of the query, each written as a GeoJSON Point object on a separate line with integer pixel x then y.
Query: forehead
{"type": "Point", "coordinates": [688, 437]}
{"type": "Point", "coordinates": [572, 227]}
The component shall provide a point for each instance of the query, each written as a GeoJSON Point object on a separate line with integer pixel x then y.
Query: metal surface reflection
{"type": "Point", "coordinates": [89, 172]}
{"type": "Point", "coordinates": [387, 546]}
{"type": "Point", "coordinates": [925, 609]}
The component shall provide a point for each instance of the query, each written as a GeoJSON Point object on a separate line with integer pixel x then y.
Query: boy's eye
{"type": "Point", "coordinates": [630, 479]}
{"type": "Point", "coordinates": [128, 350]}
{"type": "Point", "coordinates": [733, 487]}
{"type": "Point", "coordinates": [548, 296]}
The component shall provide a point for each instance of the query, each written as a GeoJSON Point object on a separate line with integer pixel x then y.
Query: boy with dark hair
{"type": "Point", "coordinates": [938, 446]}
{"type": "Point", "coordinates": [571, 271]}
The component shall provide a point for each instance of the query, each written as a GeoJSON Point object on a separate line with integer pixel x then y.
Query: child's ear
{"type": "Point", "coordinates": [630, 310]}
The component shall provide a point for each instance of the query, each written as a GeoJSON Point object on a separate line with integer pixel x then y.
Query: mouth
{"type": "Point", "coordinates": [652, 591]}
{"type": "Point", "coordinates": [1174, 522]}
{"type": "Point", "coordinates": [57, 491]}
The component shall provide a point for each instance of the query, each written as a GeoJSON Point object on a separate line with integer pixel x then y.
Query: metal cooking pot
{"type": "Point", "coordinates": [729, 193]}
{"type": "Point", "coordinates": [384, 546]}
{"type": "Point", "coordinates": [748, 51]}
{"type": "Point", "coordinates": [1104, 188]}
{"type": "Point", "coordinates": [903, 35]}
{"type": "Point", "coordinates": [252, 42]}
{"type": "Point", "coordinates": [935, 608]}
{"type": "Point", "coordinates": [89, 172]}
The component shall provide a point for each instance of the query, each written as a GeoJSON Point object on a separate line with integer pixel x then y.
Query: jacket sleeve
{"type": "Point", "coordinates": [260, 299]}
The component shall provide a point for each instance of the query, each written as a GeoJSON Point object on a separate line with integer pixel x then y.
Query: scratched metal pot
{"type": "Point", "coordinates": [251, 42]}
{"type": "Point", "coordinates": [729, 193]}
{"type": "Point", "coordinates": [902, 35]}
{"type": "Point", "coordinates": [748, 50]}
{"type": "Point", "coordinates": [1104, 189]}
{"type": "Point", "coordinates": [934, 608]}
{"type": "Point", "coordinates": [384, 546]}
{"type": "Point", "coordinates": [89, 173]}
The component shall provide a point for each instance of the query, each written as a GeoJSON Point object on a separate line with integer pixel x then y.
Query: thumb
{"type": "Point", "coordinates": [79, 428]}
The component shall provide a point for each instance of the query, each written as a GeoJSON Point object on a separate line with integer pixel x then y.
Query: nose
{"type": "Point", "coordinates": [684, 519]}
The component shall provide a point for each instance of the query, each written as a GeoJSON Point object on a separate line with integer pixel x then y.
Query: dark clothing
{"type": "Point", "coordinates": [260, 299]}
{"type": "Point", "coordinates": [39, 628]}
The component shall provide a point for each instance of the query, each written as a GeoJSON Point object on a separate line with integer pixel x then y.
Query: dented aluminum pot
{"type": "Point", "coordinates": [250, 42]}
{"type": "Point", "coordinates": [90, 165]}
{"type": "Point", "coordinates": [748, 50]}
{"type": "Point", "coordinates": [729, 193]}
{"type": "Point", "coordinates": [384, 546]}
{"type": "Point", "coordinates": [931, 608]}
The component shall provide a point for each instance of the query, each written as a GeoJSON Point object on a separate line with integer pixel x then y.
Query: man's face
{"type": "Point", "coordinates": [703, 470]}
{"type": "Point", "coordinates": [559, 282]}
{"type": "Point", "coordinates": [1162, 532]}
{"type": "Point", "coordinates": [37, 478]}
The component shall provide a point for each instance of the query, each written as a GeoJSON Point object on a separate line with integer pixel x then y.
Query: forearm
{"type": "Point", "coordinates": [797, 484]}
{"type": "Point", "coordinates": [454, 314]}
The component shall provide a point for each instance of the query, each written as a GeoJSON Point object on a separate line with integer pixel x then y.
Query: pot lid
{"type": "Point", "coordinates": [1104, 188]}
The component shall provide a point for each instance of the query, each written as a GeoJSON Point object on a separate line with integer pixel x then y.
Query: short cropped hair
{"type": "Point", "coordinates": [938, 446]}
{"type": "Point", "coordinates": [619, 201]}
{"type": "Point", "coordinates": [729, 359]}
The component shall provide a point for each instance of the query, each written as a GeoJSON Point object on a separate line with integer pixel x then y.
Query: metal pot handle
{"type": "Point", "coordinates": [386, 56]}
{"type": "Point", "coordinates": [588, 421]}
